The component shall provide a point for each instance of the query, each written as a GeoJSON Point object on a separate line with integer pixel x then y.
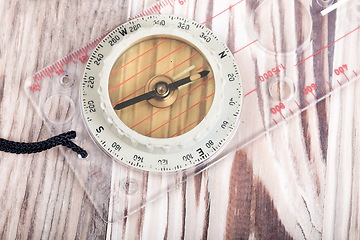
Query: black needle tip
{"type": "Point", "coordinates": [204, 73]}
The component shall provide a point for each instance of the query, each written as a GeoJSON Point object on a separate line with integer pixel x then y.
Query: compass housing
{"type": "Point", "coordinates": [195, 143]}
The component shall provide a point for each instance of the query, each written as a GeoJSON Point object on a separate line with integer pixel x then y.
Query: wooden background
{"type": "Point", "coordinates": [293, 183]}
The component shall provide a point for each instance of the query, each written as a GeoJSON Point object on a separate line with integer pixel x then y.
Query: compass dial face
{"type": "Point", "coordinates": [161, 93]}
{"type": "Point", "coordinates": [154, 60]}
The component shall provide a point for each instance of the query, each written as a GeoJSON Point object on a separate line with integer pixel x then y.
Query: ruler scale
{"type": "Point", "coordinates": [290, 58]}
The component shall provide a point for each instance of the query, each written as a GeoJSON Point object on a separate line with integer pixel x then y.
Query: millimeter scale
{"type": "Point", "coordinates": [172, 91]}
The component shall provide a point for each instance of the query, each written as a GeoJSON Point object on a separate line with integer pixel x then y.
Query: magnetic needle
{"type": "Point", "coordinates": [161, 93]}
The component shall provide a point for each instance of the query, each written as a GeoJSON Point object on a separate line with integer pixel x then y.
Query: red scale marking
{"type": "Point", "coordinates": [314, 95]}
{"type": "Point", "coordinates": [200, 68]}
{"type": "Point", "coordinates": [275, 121]}
{"type": "Point", "coordinates": [328, 46]}
{"type": "Point", "coordinates": [146, 68]}
{"type": "Point", "coordinates": [138, 56]}
{"type": "Point", "coordinates": [245, 46]}
{"type": "Point", "coordinates": [176, 100]}
{"type": "Point", "coordinates": [37, 82]}
{"type": "Point", "coordinates": [298, 105]}
{"type": "Point", "coordinates": [355, 73]}
{"type": "Point", "coordinates": [146, 118]}
{"type": "Point", "coordinates": [250, 92]}
{"type": "Point", "coordinates": [330, 85]}
{"type": "Point", "coordinates": [291, 112]}
{"type": "Point", "coordinates": [282, 115]}
{"type": "Point", "coordinates": [195, 88]}
{"type": "Point", "coordinates": [223, 11]}
{"type": "Point", "coordinates": [170, 3]}
{"type": "Point", "coordinates": [339, 83]}
{"type": "Point", "coordinates": [128, 96]}
{"type": "Point", "coordinates": [187, 126]}
{"type": "Point", "coordinates": [180, 114]}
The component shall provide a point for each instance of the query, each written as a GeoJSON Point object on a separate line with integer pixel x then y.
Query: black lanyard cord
{"type": "Point", "coordinates": [28, 148]}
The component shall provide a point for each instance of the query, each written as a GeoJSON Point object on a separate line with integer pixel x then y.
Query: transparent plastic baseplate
{"type": "Point", "coordinates": [291, 55]}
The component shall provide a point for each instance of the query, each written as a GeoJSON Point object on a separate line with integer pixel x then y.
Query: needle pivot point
{"type": "Point", "coordinates": [162, 89]}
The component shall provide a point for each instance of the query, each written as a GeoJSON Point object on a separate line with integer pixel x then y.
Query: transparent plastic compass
{"type": "Point", "coordinates": [161, 93]}
{"type": "Point", "coordinates": [161, 96]}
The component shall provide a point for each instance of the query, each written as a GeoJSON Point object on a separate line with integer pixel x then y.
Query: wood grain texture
{"type": "Point", "coordinates": [302, 181]}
